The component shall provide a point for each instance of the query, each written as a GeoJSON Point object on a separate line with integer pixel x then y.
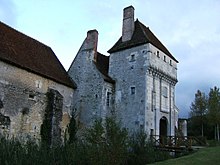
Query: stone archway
{"type": "Point", "coordinates": [163, 126]}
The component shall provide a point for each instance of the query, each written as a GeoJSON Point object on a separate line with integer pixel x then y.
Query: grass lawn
{"type": "Point", "coordinates": [205, 156]}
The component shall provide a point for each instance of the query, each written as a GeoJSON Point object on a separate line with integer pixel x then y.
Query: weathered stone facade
{"type": "Point", "coordinates": [145, 75]}
{"type": "Point", "coordinates": [23, 96]}
{"type": "Point", "coordinates": [136, 84]}
{"type": "Point", "coordinates": [29, 72]}
{"type": "Point", "coordinates": [142, 89]}
{"type": "Point", "coordinates": [90, 97]}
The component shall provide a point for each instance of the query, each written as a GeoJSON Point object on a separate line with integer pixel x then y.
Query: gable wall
{"type": "Point", "coordinates": [91, 92]}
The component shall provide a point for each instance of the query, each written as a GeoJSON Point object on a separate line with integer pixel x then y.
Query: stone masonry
{"type": "Point", "coordinates": [143, 76]}
{"type": "Point", "coordinates": [135, 83]}
{"type": "Point", "coordinates": [23, 101]}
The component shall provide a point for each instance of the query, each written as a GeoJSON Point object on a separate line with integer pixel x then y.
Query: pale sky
{"type": "Point", "coordinates": [190, 30]}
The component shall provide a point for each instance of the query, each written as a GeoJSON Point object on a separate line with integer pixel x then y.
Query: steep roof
{"type": "Point", "coordinates": [29, 54]}
{"type": "Point", "coordinates": [102, 64]}
{"type": "Point", "coordinates": [141, 35]}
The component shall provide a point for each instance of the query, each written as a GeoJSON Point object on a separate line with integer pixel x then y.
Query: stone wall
{"type": "Point", "coordinates": [161, 81]}
{"type": "Point", "coordinates": [145, 88]}
{"type": "Point", "coordinates": [23, 98]}
{"type": "Point", "coordinates": [128, 69]}
{"type": "Point", "coordinates": [91, 93]}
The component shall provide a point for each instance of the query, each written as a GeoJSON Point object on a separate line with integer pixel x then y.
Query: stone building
{"type": "Point", "coordinates": [33, 84]}
{"type": "Point", "coordinates": [136, 82]}
{"type": "Point", "coordinates": [93, 96]}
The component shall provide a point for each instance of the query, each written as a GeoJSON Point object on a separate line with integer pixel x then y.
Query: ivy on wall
{"type": "Point", "coordinates": [50, 129]}
{"type": "Point", "coordinates": [46, 126]}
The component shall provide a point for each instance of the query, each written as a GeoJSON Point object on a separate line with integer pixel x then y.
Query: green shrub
{"type": "Point", "coordinates": [105, 142]}
{"type": "Point", "coordinates": [142, 151]}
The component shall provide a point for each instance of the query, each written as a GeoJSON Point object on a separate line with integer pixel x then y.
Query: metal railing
{"type": "Point", "coordinates": [176, 142]}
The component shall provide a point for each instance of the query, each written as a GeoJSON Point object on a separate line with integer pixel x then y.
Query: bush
{"type": "Point", "coordinates": [105, 142]}
{"type": "Point", "coordinates": [142, 151]}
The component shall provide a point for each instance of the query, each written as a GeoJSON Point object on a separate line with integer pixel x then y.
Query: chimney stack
{"type": "Point", "coordinates": [92, 39]}
{"type": "Point", "coordinates": [128, 23]}
{"type": "Point", "coordinates": [92, 42]}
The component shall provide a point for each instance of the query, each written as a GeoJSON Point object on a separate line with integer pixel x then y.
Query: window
{"type": "Point", "coordinates": [164, 58]}
{"type": "Point", "coordinates": [108, 99]}
{"type": "Point", "coordinates": [132, 57]}
{"type": "Point", "coordinates": [132, 90]}
{"type": "Point", "coordinates": [165, 92]}
{"type": "Point", "coordinates": [144, 51]}
{"type": "Point", "coordinates": [165, 99]}
{"type": "Point", "coordinates": [31, 96]}
{"type": "Point", "coordinates": [151, 132]}
{"type": "Point", "coordinates": [158, 54]}
{"type": "Point", "coordinates": [165, 104]}
{"type": "Point", "coordinates": [171, 62]}
{"type": "Point", "coordinates": [38, 84]}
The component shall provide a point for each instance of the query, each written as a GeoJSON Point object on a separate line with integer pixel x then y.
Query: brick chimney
{"type": "Point", "coordinates": [92, 42]}
{"type": "Point", "coordinates": [128, 23]}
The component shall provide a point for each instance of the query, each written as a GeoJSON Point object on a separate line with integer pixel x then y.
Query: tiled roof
{"type": "Point", "coordinates": [102, 65]}
{"type": "Point", "coordinates": [29, 54]}
{"type": "Point", "coordinates": [141, 35]}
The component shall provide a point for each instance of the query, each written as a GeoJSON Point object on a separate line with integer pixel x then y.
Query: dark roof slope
{"type": "Point", "coordinates": [102, 64]}
{"type": "Point", "coordinates": [141, 35]}
{"type": "Point", "coordinates": [29, 54]}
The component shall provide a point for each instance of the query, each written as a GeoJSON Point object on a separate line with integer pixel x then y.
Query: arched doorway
{"type": "Point", "coordinates": [163, 131]}
{"type": "Point", "coordinates": [163, 126]}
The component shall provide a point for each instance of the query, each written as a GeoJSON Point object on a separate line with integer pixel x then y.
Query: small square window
{"type": "Point", "coordinates": [132, 90]}
{"type": "Point", "coordinates": [164, 58]}
{"type": "Point", "coordinates": [132, 57]}
{"type": "Point", "coordinates": [158, 54]}
{"type": "Point", "coordinates": [31, 96]}
{"type": "Point", "coordinates": [144, 51]}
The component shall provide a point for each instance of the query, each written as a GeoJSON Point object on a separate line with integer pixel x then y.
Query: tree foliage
{"type": "Point", "coordinates": [205, 114]}
{"type": "Point", "coordinates": [199, 110]}
{"type": "Point", "coordinates": [214, 109]}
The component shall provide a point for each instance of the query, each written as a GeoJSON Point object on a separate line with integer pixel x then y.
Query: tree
{"type": "Point", "coordinates": [199, 110]}
{"type": "Point", "coordinates": [214, 109]}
